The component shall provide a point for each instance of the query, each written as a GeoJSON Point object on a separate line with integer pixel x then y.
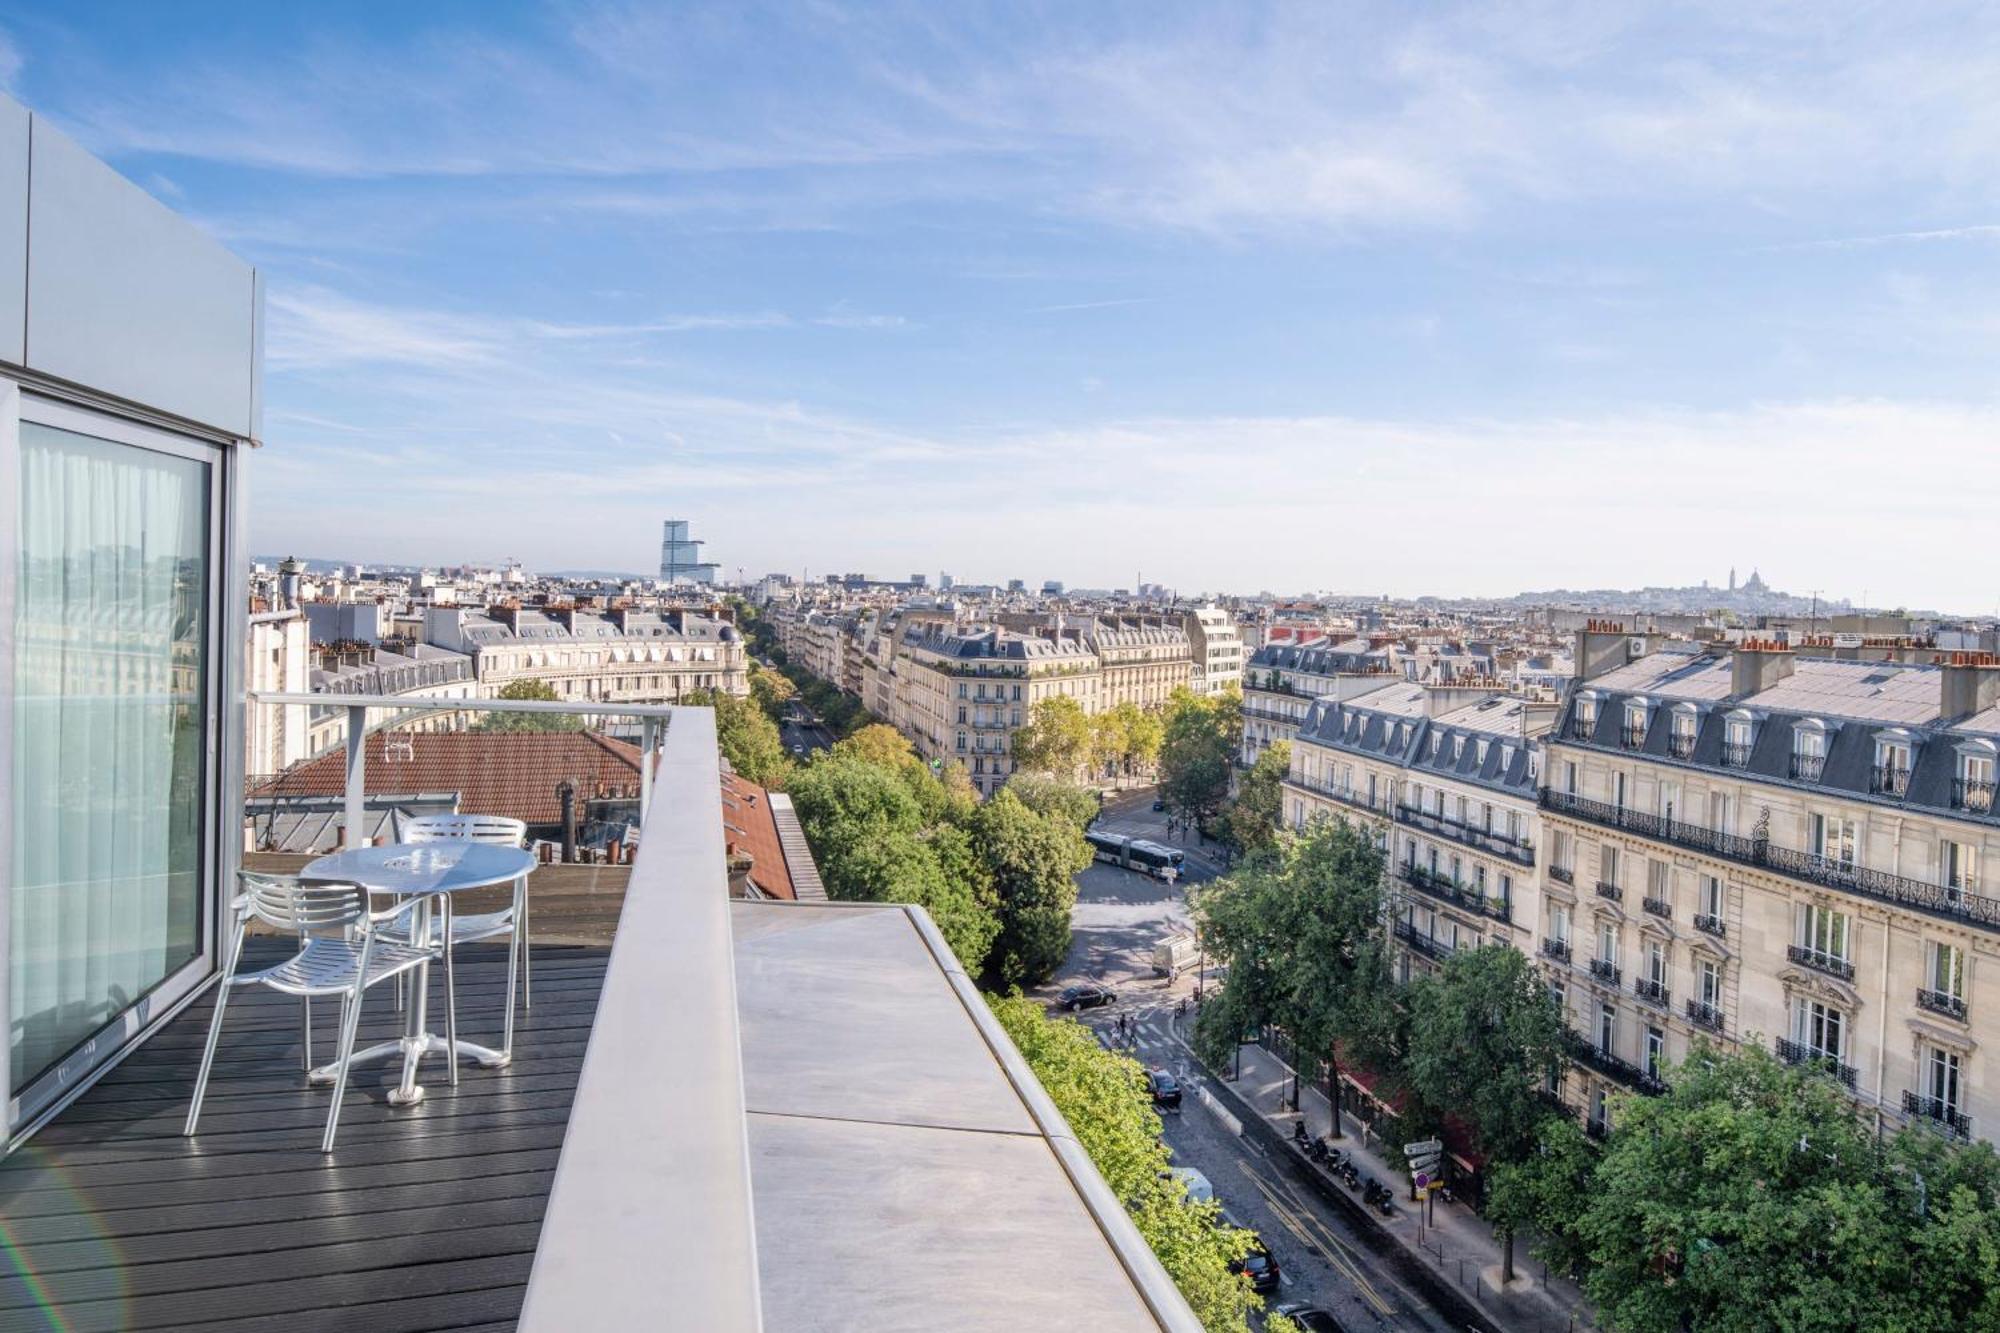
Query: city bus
{"type": "Point", "coordinates": [1148, 858]}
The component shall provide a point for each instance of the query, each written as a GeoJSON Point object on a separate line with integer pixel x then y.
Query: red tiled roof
{"type": "Point", "coordinates": [747, 826]}
{"type": "Point", "coordinates": [494, 772]}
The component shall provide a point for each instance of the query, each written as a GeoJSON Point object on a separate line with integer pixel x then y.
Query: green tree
{"type": "Point", "coordinates": [1034, 860]}
{"type": "Point", "coordinates": [1144, 729]}
{"type": "Point", "coordinates": [1102, 1095]}
{"type": "Point", "coordinates": [534, 691]}
{"type": "Point", "coordinates": [878, 743]}
{"type": "Point", "coordinates": [1483, 1035]}
{"type": "Point", "coordinates": [1547, 1190]}
{"type": "Point", "coordinates": [1301, 931]}
{"type": "Point", "coordinates": [1258, 812]}
{"type": "Point", "coordinates": [1051, 796]}
{"type": "Point", "coordinates": [1056, 739]}
{"type": "Point", "coordinates": [747, 737]}
{"type": "Point", "coordinates": [1198, 744]}
{"type": "Point", "coordinates": [882, 834]}
{"type": "Point", "coordinates": [772, 690]}
{"type": "Point", "coordinates": [1751, 1196]}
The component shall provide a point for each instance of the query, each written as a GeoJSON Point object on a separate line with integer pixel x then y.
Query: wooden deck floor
{"type": "Point", "coordinates": [424, 1218]}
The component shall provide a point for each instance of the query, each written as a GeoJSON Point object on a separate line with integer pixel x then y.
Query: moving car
{"type": "Point", "coordinates": [1086, 996]}
{"type": "Point", "coordinates": [1261, 1267]}
{"type": "Point", "coordinates": [1308, 1317]}
{"type": "Point", "coordinates": [1166, 1089]}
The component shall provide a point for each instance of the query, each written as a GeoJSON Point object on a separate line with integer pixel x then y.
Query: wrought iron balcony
{"type": "Point", "coordinates": [1597, 1129]}
{"type": "Point", "coordinates": [1942, 1002]}
{"type": "Point", "coordinates": [1485, 840]}
{"type": "Point", "coordinates": [1632, 737]}
{"type": "Point", "coordinates": [1710, 925]}
{"type": "Point", "coordinates": [1562, 874]}
{"type": "Point", "coordinates": [1586, 1052]}
{"type": "Point", "coordinates": [1556, 949]}
{"type": "Point", "coordinates": [1793, 1053]}
{"type": "Point", "coordinates": [1889, 780]}
{"type": "Point", "coordinates": [1736, 754]}
{"type": "Point", "coordinates": [1424, 944]}
{"type": "Point", "coordinates": [1936, 899]}
{"type": "Point", "coordinates": [1974, 795]}
{"type": "Point", "coordinates": [1680, 744]}
{"type": "Point", "coordinates": [1820, 961]}
{"type": "Point", "coordinates": [1940, 1113]}
{"type": "Point", "coordinates": [1658, 907]}
{"type": "Point", "coordinates": [1653, 992]}
{"type": "Point", "coordinates": [1604, 971]}
{"type": "Point", "coordinates": [1704, 1015]}
{"type": "Point", "coordinates": [1444, 889]}
{"type": "Point", "coordinates": [1807, 767]}
{"type": "Point", "coordinates": [1611, 891]}
{"type": "Point", "coordinates": [1345, 795]}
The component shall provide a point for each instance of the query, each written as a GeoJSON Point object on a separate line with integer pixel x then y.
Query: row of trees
{"type": "Point", "coordinates": [1062, 740]}
{"type": "Point", "coordinates": [1749, 1196]}
{"type": "Point", "coordinates": [1103, 1097]}
{"type": "Point", "coordinates": [998, 877]}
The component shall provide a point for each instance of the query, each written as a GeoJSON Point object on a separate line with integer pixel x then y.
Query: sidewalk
{"type": "Point", "coordinates": [1457, 1247]}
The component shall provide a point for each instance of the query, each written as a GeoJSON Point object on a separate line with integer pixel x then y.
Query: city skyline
{"type": "Point", "coordinates": [1247, 300]}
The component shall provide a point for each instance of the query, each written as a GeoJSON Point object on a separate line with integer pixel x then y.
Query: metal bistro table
{"type": "Point", "coordinates": [426, 872]}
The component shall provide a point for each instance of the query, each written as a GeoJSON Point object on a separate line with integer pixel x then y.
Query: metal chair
{"type": "Point", "coordinates": [473, 926]}
{"type": "Point", "coordinates": [343, 951]}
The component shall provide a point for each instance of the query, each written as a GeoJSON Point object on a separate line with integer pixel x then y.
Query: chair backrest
{"type": "Point", "coordinates": [284, 902]}
{"type": "Point", "coordinates": [465, 828]}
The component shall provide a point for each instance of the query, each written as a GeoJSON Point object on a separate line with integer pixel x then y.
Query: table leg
{"type": "Point", "coordinates": [416, 1037]}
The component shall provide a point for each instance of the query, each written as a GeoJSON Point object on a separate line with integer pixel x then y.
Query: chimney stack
{"type": "Point", "coordinates": [1971, 684]}
{"type": "Point", "coordinates": [1757, 665]}
{"type": "Point", "coordinates": [1601, 646]}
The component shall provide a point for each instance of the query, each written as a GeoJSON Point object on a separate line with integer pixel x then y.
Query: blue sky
{"type": "Point", "coordinates": [1366, 297]}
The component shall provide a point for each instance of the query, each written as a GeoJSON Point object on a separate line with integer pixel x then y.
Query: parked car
{"type": "Point", "coordinates": [1086, 996]}
{"type": "Point", "coordinates": [1261, 1267]}
{"type": "Point", "coordinates": [1198, 1188]}
{"type": "Point", "coordinates": [1159, 806]}
{"type": "Point", "coordinates": [1309, 1317]}
{"type": "Point", "coordinates": [1166, 1089]}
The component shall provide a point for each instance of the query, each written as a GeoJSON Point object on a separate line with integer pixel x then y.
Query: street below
{"type": "Point", "coordinates": [1120, 915]}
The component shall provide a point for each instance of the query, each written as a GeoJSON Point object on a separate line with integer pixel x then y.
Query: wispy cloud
{"type": "Point", "coordinates": [1090, 305]}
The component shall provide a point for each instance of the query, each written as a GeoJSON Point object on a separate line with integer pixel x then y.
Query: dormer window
{"type": "Point", "coordinates": [1972, 787]}
{"type": "Point", "coordinates": [1484, 748]}
{"type": "Point", "coordinates": [1686, 723]}
{"type": "Point", "coordinates": [1737, 739]}
{"type": "Point", "coordinates": [1808, 749]}
{"type": "Point", "coordinates": [1634, 733]}
{"type": "Point", "coordinates": [1506, 758]}
{"type": "Point", "coordinates": [1586, 714]}
{"type": "Point", "coordinates": [1891, 773]}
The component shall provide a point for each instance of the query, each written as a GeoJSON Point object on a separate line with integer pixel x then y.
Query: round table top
{"type": "Point", "coordinates": [424, 867]}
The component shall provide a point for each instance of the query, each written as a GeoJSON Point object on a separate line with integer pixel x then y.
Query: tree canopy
{"type": "Point", "coordinates": [1252, 822]}
{"type": "Point", "coordinates": [878, 743]}
{"type": "Point", "coordinates": [1056, 739]}
{"type": "Point", "coordinates": [1198, 745]}
{"type": "Point", "coordinates": [748, 738]}
{"type": "Point", "coordinates": [1103, 1097]}
{"type": "Point", "coordinates": [1034, 859]}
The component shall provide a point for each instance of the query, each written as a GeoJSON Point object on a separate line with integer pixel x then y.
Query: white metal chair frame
{"type": "Point", "coordinates": [474, 926]}
{"type": "Point", "coordinates": [343, 950]}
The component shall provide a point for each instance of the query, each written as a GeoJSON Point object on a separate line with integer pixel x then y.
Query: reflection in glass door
{"type": "Point", "coordinates": [110, 729]}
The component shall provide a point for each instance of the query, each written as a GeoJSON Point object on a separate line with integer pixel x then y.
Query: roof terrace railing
{"type": "Point", "coordinates": [358, 706]}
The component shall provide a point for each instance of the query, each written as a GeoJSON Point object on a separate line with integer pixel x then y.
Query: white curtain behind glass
{"type": "Point", "coordinates": [108, 717]}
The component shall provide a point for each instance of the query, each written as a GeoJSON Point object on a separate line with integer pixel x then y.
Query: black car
{"type": "Point", "coordinates": [1166, 1089]}
{"type": "Point", "coordinates": [1309, 1317]}
{"type": "Point", "coordinates": [1158, 806]}
{"type": "Point", "coordinates": [1085, 997]}
{"type": "Point", "coordinates": [1261, 1267]}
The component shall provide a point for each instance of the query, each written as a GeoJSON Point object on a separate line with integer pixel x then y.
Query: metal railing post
{"type": "Point", "coordinates": [646, 740]}
{"type": "Point", "coordinates": [357, 767]}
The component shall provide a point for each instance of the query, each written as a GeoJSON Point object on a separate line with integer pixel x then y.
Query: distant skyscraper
{"type": "Point", "coordinates": [680, 556]}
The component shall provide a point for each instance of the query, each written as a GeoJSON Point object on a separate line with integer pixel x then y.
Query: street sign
{"type": "Point", "coordinates": [1428, 1164]}
{"type": "Point", "coordinates": [1422, 1181]}
{"type": "Point", "coordinates": [1419, 1149]}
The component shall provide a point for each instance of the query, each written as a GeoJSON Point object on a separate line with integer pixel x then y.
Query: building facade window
{"type": "Point", "coordinates": [1823, 931]}
{"type": "Point", "coordinates": [1820, 1029]}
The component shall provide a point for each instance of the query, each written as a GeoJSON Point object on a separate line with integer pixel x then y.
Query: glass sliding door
{"type": "Point", "coordinates": [112, 740]}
